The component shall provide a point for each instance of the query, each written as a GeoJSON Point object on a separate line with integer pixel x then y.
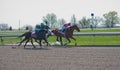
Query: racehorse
{"type": "Point", "coordinates": [68, 34]}
{"type": "Point", "coordinates": [29, 36]}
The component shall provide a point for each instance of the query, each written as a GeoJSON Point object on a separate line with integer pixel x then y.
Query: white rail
{"type": "Point", "coordinates": [96, 33]}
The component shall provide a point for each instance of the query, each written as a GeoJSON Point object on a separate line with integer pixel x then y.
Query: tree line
{"type": "Point", "coordinates": [109, 20]}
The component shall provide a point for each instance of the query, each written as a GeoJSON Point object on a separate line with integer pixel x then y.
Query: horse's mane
{"type": "Point", "coordinates": [74, 25]}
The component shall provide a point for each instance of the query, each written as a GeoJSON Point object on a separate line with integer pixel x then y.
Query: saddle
{"type": "Point", "coordinates": [33, 34]}
{"type": "Point", "coordinates": [61, 31]}
{"type": "Point", "coordinates": [39, 34]}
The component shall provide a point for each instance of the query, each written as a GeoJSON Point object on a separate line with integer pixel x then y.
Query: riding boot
{"type": "Point", "coordinates": [62, 31]}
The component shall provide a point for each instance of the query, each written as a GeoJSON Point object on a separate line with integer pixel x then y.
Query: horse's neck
{"type": "Point", "coordinates": [71, 29]}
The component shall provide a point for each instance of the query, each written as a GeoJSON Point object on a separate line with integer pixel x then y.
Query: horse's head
{"type": "Point", "coordinates": [54, 30]}
{"type": "Point", "coordinates": [76, 27]}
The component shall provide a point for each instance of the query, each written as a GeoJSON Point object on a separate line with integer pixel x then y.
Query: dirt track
{"type": "Point", "coordinates": [55, 58]}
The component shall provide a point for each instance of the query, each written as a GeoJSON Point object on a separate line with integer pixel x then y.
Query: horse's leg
{"type": "Point", "coordinates": [26, 43]}
{"type": "Point", "coordinates": [40, 44]}
{"type": "Point", "coordinates": [74, 40]}
{"type": "Point", "coordinates": [68, 41]}
{"type": "Point", "coordinates": [36, 40]}
{"type": "Point", "coordinates": [49, 33]}
{"type": "Point", "coordinates": [61, 41]}
{"type": "Point", "coordinates": [22, 41]}
{"type": "Point", "coordinates": [46, 41]}
{"type": "Point", "coordinates": [57, 38]}
{"type": "Point", "coordinates": [32, 43]}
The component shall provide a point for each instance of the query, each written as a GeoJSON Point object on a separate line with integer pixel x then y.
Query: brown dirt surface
{"type": "Point", "coordinates": [59, 58]}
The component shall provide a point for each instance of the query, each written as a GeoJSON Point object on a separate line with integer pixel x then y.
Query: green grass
{"type": "Point", "coordinates": [10, 40]}
{"type": "Point", "coordinates": [90, 40]}
{"type": "Point", "coordinates": [81, 40]}
{"type": "Point", "coordinates": [98, 40]}
{"type": "Point", "coordinates": [100, 30]}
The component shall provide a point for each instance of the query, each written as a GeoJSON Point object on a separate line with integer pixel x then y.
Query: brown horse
{"type": "Point", "coordinates": [68, 34]}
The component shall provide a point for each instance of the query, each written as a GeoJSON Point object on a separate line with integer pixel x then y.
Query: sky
{"type": "Point", "coordinates": [30, 12]}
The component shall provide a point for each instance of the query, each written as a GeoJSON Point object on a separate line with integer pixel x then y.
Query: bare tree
{"type": "Point", "coordinates": [51, 19]}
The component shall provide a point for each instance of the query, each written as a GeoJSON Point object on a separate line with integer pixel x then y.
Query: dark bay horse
{"type": "Point", "coordinates": [68, 34]}
{"type": "Point", "coordinates": [29, 36]}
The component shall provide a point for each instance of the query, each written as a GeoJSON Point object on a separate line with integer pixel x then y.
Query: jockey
{"type": "Point", "coordinates": [37, 27]}
{"type": "Point", "coordinates": [66, 25]}
{"type": "Point", "coordinates": [42, 25]}
{"type": "Point", "coordinates": [47, 29]}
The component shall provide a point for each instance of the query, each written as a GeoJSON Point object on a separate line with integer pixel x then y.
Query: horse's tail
{"type": "Point", "coordinates": [22, 35]}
